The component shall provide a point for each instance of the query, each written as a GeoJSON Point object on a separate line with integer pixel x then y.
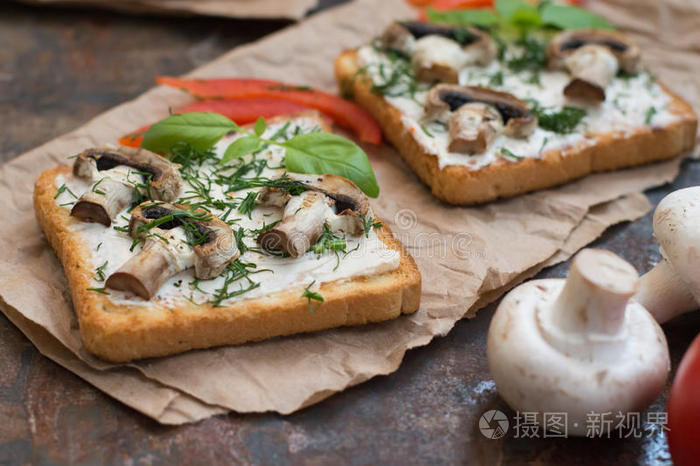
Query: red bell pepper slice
{"type": "Point", "coordinates": [342, 111]}
{"type": "Point", "coordinates": [241, 111]}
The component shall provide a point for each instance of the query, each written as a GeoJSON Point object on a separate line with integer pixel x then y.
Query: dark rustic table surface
{"type": "Point", "coordinates": [59, 68]}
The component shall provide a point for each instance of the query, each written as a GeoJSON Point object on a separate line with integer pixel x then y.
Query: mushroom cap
{"type": "Point", "coordinates": [565, 43]}
{"type": "Point", "coordinates": [212, 256]}
{"type": "Point", "coordinates": [677, 228]}
{"type": "Point", "coordinates": [349, 199]}
{"type": "Point", "coordinates": [516, 114]}
{"type": "Point", "coordinates": [533, 376]}
{"type": "Point", "coordinates": [165, 182]}
{"type": "Point", "coordinates": [465, 36]}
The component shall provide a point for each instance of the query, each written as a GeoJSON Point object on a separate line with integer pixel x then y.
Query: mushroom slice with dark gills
{"type": "Point", "coordinates": [438, 52]}
{"type": "Point", "coordinates": [330, 200]}
{"type": "Point", "coordinates": [175, 239]}
{"type": "Point", "coordinates": [115, 174]}
{"type": "Point", "coordinates": [593, 57]}
{"type": "Point", "coordinates": [476, 115]}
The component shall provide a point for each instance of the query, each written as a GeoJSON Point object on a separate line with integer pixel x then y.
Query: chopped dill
{"type": "Point", "coordinates": [63, 188]}
{"type": "Point", "coordinates": [100, 271]}
{"type": "Point", "coordinates": [312, 296]}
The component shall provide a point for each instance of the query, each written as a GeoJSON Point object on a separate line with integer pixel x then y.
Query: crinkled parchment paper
{"type": "Point", "coordinates": [287, 9]}
{"type": "Point", "coordinates": [468, 256]}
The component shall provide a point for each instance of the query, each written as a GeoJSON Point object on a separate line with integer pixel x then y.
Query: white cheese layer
{"type": "Point", "coordinates": [365, 255]}
{"type": "Point", "coordinates": [628, 106]}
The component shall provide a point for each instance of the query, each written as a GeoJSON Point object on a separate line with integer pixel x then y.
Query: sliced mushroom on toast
{"type": "Point", "coordinates": [330, 200]}
{"type": "Point", "coordinates": [439, 52]}
{"type": "Point", "coordinates": [473, 128]}
{"type": "Point", "coordinates": [117, 176]}
{"type": "Point", "coordinates": [175, 239]}
{"type": "Point", "coordinates": [593, 57]}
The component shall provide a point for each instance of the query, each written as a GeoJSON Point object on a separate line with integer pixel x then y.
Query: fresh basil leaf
{"type": "Point", "coordinates": [508, 8]}
{"type": "Point", "coordinates": [476, 17]}
{"type": "Point", "coordinates": [240, 147]}
{"type": "Point", "coordinates": [260, 126]}
{"type": "Point", "coordinates": [571, 17]}
{"type": "Point", "coordinates": [200, 130]}
{"type": "Point", "coordinates": [320, 153]}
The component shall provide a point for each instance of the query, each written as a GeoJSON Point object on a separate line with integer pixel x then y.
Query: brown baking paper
{"type": "Point", "coordinates": [283, 9]}
{"type": "Point", "coordinates": [468, 256]}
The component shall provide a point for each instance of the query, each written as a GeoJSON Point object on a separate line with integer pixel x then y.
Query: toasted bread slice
{"type": "Point", "coordinates": [461, 185]}
{"type": "Point", "coordinates": [121, 332]}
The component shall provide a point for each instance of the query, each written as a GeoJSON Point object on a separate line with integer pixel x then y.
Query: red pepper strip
{"type": "Point", "coordinates": [343, 112]}
{"type": "Point", "coordinates": [241, 111]}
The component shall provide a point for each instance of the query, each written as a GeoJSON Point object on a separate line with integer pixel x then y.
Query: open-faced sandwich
{"type": "Point", "coordinates": [234, 234]}
{"type": "Point", "coordinates": [486, 112]}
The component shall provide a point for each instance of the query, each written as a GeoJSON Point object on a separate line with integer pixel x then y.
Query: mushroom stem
{"type": "Point", "coordinates": [594, 298]}
{"type": "Point", "coordinates": [664, 293]}
{"type": "Point", "coordinates": [104, 203]}
{"type": "Point", "coordinates": [587, 319]}
{"type": "Point", "coordinates": [145, 272]}
{"type": "Point", "coordinates": [473, 127]}
{"type": "Point", "coordinates": [301, 225]}
{"type": "Point", "coordinates": [592, 68]}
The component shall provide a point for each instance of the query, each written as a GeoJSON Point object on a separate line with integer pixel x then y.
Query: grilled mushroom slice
{"type": "Point", "coordinates": [444, 101]}
{"type": "Point", "coordinates": [438, 52]}
{"type": "Point", "coordinates": [325, 200]}
{"type": "Point", "coordinates": [593, 57]}
{"type": "Point", "coordinates": [166, 249]}
{"type": "Point", "coordinates": [114, 174]}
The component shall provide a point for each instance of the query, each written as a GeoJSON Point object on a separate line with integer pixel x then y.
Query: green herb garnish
{"type": "Point", "coordinates": [650, 115]}
{"type": "Point", "coordinates": [63, 188]}
{"type": "Point", "coordinates": [314, 153]}
{"type": "Point", "coordinates": [312, 295]}
{"type": "Point", "coordinates": [100, 271]}
{"type": "Point", "coordinates": [563, 121]}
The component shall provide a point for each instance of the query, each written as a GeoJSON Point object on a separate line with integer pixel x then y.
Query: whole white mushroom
{"type": "Point", "coordinates": [578, 346]}
{"type": "Point", "coordinates": [673, 286]}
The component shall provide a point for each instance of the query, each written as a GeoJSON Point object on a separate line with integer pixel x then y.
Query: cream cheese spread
{"type": "Point", "coordinates": [110, 248]}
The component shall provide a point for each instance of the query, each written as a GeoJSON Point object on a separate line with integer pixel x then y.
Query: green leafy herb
{"type": "Point", "coordinates": [312, 295]}
{"type": "Point", "coordinates": [533, 56]}
{"type": "Point", "coordinates": [329, 241]}
{"type": "Point", "coordinates": [564, 16]}
{"type": "Point", "coordinates": [100, 271]}
{"type": "Point", "coordinates": [476, 17]}
{"type": "Point", "coordinates": [368, 223]}
{"type": "Point", "coordinates": [329, 153]}
{"type": "Point", "coordinates": [509, 153]}
{"type": "Point", "coordinates": [63, 188]}
{"type": "Point", "coordinates": [98, 191]}
{"type": "Point", "coordinates": [425, 130]}
{"type": "Point", "coordinates": [650, 115]}
{"type": "Point", "coordinates": [260, 126]}
{"type": "Point", "coordinates": [102, 290]}
{"type": "Point", "coordinates": [563, 121]}
{"type": "Point", "coordinates": [248, 203]}
{"type": "Point", "coordinates": [234, 272]}
{"type": "Point", "coordinates": [518, 12]}
{"type": "Point", "coordinates": [201, 130]}
{"type": "Point", "coordinates": [242, 146]}
{"type": "Point", "coordinates": [496, 79]}
{"type": "Point", "coordinates": [523, 15]}
{"type": "Point", "coordinates": [314, 153]}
